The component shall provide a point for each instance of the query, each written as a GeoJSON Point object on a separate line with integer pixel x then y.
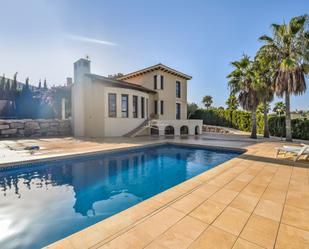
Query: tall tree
{"type": "Point", "coordinates": [2, 86]}
{"type": "Point", "coordinates": [242, 83]}
{"type": "Point", "coordinates": [279, 108]}
{"type": "Point", "coordinates": [7, 88]}
{"type": "Point", "coordinates": [40, 84]}
{"type": "Point", "coordinates": [264, 74]}
{"type": "Point", "coordinates": [232, 102]}
{"type": "Point", "coordinates": [191, 109]}
{"type": "Point", "coordinates": [289, 46]}
{"type": "Point", "coordinates": [207, 101]}
{"type": "Point", "coordinates": [14, 91]}
{"type": "Point", "coordinates": [45, 84]}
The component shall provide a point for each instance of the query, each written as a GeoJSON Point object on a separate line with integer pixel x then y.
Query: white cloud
{"type": "Point", "coordinates": [91, 40]}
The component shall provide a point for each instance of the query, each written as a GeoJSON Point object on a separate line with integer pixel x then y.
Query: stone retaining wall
{"type": "Point", "coordinates": [215, 129]}
{"type": "Point", "coordinates": [34, 128]}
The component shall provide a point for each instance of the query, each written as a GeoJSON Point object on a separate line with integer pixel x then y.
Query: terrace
{"type": "Point", "coordinates": [251, 201]}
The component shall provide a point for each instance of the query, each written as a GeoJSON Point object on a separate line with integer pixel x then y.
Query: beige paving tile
{"type": "Point", "coordinates": [279, 184]}
{"type": "Point", "coordinates": [292, 238]}
{"type": "Point", "coordinates": [254, 190]}
{"type": "Point", "coordinates": [296, 186]}
{"type": "Point", "coordinates": [155, 245]}
{"type": "Point", "coordinates": [297, 217]}
{"type": "Point", "coordinates": [232, 220]}
{"type": "Point", "coordinates": [205, 190]}
{"type": "Point", "coordinates": [244, 177]}
{"type": "Point", "coordinates": [224, 196]}
{"type": "Point", "coordinates": [274, 195]}
{"type": "Point", "coordinates": [223, 179]}
{"type": "Point", "coordinates": [261, 231]}
{"type": "Point", "coordinates": [298, 199]}
{"type": "Point", "coordinates": [208, 211]}
{"type": "Point", "coordinates": [214, 238]}
{"type": "Point", "coordinates": [181, 234]}
{"type": "Point", "coordinates": [128, 241]}
{"type": "Point", "coordinates": [61, 244]}
{"type": "Point", "coordinates": [160, 222]}
{"type": "Point", "coordinates": [236, 185]}
{"type": "Point", "coordinates": [245, 202]}
{"type": "Point", "coordinates": [269, 209]}
{"type": "Point", "coordinates": [114, 224]}
{"type": "Point", "coordinates": [188, 203]}
{"type": "Point", "coordinates": [86, 238]}
{"type": "Point", "coordinates": [170, 194]}
{"type": "Point", "coordinates": [244, 244]}
{"type": "Point", "coordinates": [145, 232]}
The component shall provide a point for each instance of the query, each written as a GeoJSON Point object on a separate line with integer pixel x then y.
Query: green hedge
{"type": "Point", "coordinates": [300, 127]}
{"type": "Point", "coordinates": [241, 120]}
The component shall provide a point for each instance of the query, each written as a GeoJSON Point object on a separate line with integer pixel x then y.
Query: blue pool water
{"type": "Point", "coordinates": [43, 203]}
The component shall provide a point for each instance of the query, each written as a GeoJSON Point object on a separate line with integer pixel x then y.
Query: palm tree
{"type": "Point", "coordinates": [264, 74]}
{"type": "Point", "coordinates": [207, 101]}
{"type": "Point", "coordinates": [279, 108]}
{"type": "Point", "coordinates": [242, 82]}
{"type": "Point", "coordinates": [289, 46]}
{"type": "Point", "coordinates": [232, 102]}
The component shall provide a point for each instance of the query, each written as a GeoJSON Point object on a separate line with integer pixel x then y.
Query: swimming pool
{"type": "Point", "coordinates": [42, 203]}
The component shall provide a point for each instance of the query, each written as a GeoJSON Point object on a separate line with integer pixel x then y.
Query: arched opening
{"type": "Point", "coordinates": [197, 130]}
{"type": "Point", "coordinates": [154, 131]}
{"type": "Point", "coordinates": [184, 130]}
{"type": "Point", "coordinates": [169, 130]}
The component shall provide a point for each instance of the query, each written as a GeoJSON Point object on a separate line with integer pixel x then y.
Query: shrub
{"type": "Point", "coordinates": [237, 119]}
{"type": "Point", "coordinates": [300, 127]}
{"type": "Point", "coordinates": [241, 120]}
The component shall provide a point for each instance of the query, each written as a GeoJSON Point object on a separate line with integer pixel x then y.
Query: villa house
{"type": "Point", "coordinates": [151, 101]}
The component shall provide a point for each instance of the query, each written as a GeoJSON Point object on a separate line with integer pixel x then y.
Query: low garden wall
{"type": "Point", "coordinates": [34, 128]}
{"type": "Point", "coordinates": [215, 129]}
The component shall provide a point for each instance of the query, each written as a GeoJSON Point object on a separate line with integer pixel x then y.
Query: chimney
{"type": "Point", "coordinates": [81, 67]}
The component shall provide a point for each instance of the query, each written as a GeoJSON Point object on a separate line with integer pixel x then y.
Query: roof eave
{"type": "Point", "coordinates": [154, 68]}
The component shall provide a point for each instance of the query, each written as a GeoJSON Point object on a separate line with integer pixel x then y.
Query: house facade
{"type": "Point", "coordinates": [151, 101]}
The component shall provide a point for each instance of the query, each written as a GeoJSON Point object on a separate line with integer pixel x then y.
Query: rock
{"type": "Point", "coordinates": [21, 131]}
{"type": "Point", "coordinates": [44, 125]}
{"type": "Point", "coordinates": [4, 126]}
{"type": "Point", "coordinates": [34, 128]}
{"type": "Point", "coordinates": [32, 125]}
{"type": "Point", "coordinates": [8, 131]}
{"type": "Point", "coordinates": [17, 125]}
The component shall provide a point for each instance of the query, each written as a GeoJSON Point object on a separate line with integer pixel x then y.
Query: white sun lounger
{"type": "Point", "coordinates": [297, 151]}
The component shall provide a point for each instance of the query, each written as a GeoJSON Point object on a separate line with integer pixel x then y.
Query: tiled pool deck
{"type": "Point", "coordinates": [252, 201]}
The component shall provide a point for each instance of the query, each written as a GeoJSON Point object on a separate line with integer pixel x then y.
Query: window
{"type": "Point", "coordinates": [178, 111]}
{"type": "Point", "coordinates": [146, 108]}
{"type": "Point", "coordinates": [112, 109]}
{"type": "Point", "coordinates": [161, 107]}
{"type": "Point", "coordinates": [155, 79]}
{"type": "Point", "coordinates": [143, 107]}
{"type": "Point", "coordinates": [125, 105]}
{"type": "Point", "coordinates": [178, 89]}
{"type": "Point", "coordinates": [156, 107]}
{"type": "Point", "coordinates": [135, 107]}
{"type": "Point", "coordinates": [162, 82]}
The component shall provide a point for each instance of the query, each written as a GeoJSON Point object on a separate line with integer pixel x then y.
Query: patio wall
{"type": "Point", "coordinates": [34, 128]}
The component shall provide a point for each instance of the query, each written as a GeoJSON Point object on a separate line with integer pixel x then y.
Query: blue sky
{"type": "Point", "coordinates": [42, 38]}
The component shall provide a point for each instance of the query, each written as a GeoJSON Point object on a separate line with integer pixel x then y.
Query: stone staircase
{"type": "Point", "coordinates": [137, 129]}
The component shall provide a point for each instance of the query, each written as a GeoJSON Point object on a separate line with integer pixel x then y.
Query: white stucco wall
{"type": "Point", "coordinates": [177, 124]}
{"type": "Point", "coordinates": [119, 126]}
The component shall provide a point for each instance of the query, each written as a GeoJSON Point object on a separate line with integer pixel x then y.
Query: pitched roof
{"type": "Point", "coordinates": [119, 83]}
{"type": "Point", "coordinates": [153, 68]}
